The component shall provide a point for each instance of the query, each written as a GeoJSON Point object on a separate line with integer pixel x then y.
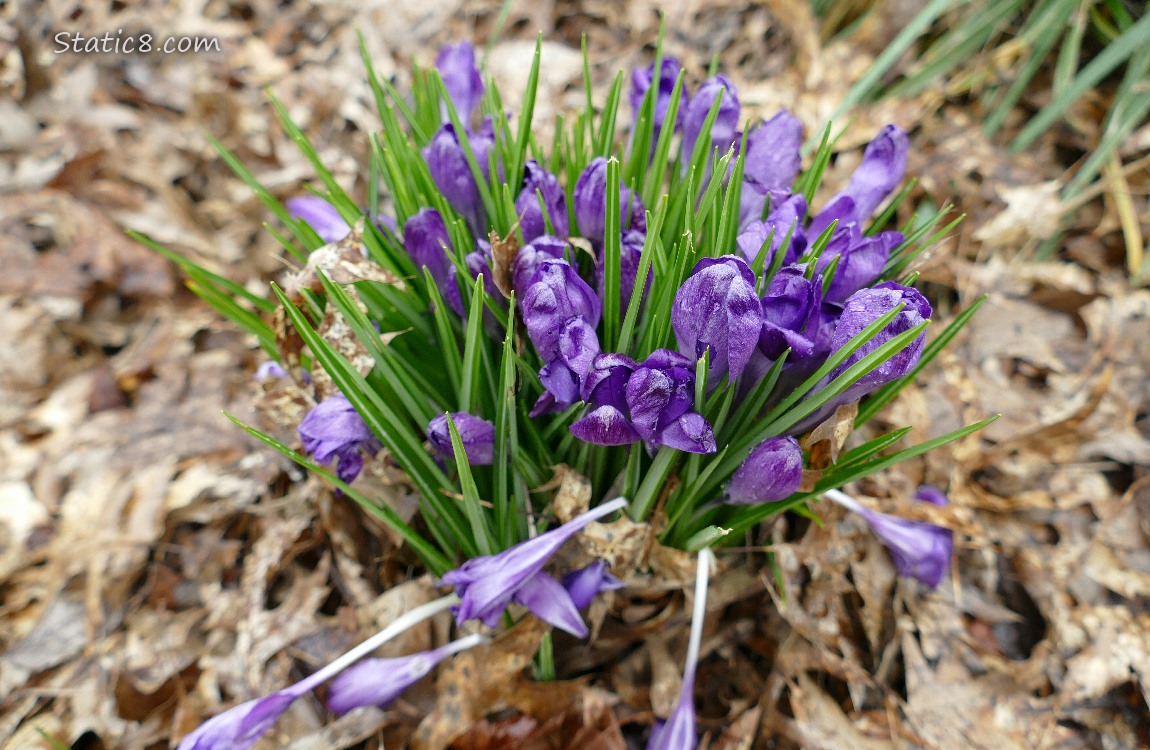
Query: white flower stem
{"type": "Point", "coordinates": [698, 614]}
{"type": "Point", "coordinates": [844, 500]}
{"type": "Point", "coordinates": [462, 644]}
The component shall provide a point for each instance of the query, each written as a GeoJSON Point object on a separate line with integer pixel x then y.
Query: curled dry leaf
{"type": "Point", "coordinates": [503, 252]}
{"type": "Point", "coordinates": [342, 262]}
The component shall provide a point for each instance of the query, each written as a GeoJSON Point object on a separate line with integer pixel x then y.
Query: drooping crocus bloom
{"type": "Point", "coordinates": [881, 170]}
{"type": "Point", "coordinates": [605, 389]}
{"type": "Point", "coordinates": [717, 308]}
{"type": "Point", "coordinates": [333, 429]}
{"type": "Point", "coordinates": [726, 122]}
{"type": "Point", "coordinates": [320, 216]}
{"type": "Point", "coordinates": [771, 164]}
{"type": "Point", "coordinates": [586, 583]}
{"type": "Point", "coordinates": [551, 602]}
{"type": "Point", "coordinates": [641, 81]}
{"type": "Point", "coordinates": [538, 181]}
{"type": "Point", "coordinates": [378, 682]}
{"type": "Point", "coordinates": [476, 434]}
{"type": "Point", "coordinates": [860, 259]}
{"type": "Point", "coordinates": [488, 584]}
{"type": "Point", "coordinates": [591, 203]}
{"type": "Point", "coordinates": [660, 399]}
{"type": "Point", "coordinates": [427, 242]}
{"type": "Point", "coordinates": [919, 549]}
{"type": "Point", "coordinates": [785, 218]}
{"type": "Point", "coordinates": [678, 731]}
{"type": "Point", "coordinates": [772, 472]}
{"type": "Point", "coordinates": [452, 174]}
{"type": "Point", "coordinates": [464, 84]}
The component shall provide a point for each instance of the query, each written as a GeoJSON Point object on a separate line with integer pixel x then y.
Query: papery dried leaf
{"type": "Point", "coordinates": [503, 252]}
{"type": "Point", "coordinates": [343, 263]}
{"type": "Point", "coordinates": [825, 441]}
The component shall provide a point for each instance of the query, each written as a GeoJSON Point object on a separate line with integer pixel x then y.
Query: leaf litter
{"type": "Point", "coordinates": [157, 565]}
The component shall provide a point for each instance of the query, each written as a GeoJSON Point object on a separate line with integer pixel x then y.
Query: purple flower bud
{"type": "Point", "coordinates": [863, 308]}
{"type": "Point", "coordinates": [919, 549]}
{"type": "Point", "coordinates": [488, 584]}
{"type": "Point", "coordinates": [270, 369]}
{"type": "Point", "coordinates": [699, 106]}
{"type": "Point", "coordinates": [678, 731]}
{"type": "Point", "coordinates": [536, 181]}
{"type": "Point", "coordinates": [451, 173]}
{"type": "Point", "coordinates": [591, 203]}
{"type": "Point", "coordinates": [240, 727]}
{"type": "Point", "coordinates": [881, 170]}
{"type": "Point", "coordinates": [548, 600]}
{"type": "Point", "coordinates": [333, 429]}
{"type": "Point", "coordinates": [464, 84]}
{"type": "Point", "coordinates": [786, 217]}
{"type": "Point", "coordinates": [320, 216]}
{"type": "Point", "coordinates": [427, 242]}
{"type": "Point", "coordinates": [586, 583]}
{"type": "Point", "coordinates": [717, 308]}
{"type": "Point", "coordinates": [861, 259]}
{"type": "Point", "coordinates": [555, 295]}
{"type": "Point", "coordinates": [476, 434]}
{"type": "Point", "coordinates": [933, 495]}
{"type": "Point", "coordinates": [604, 389]}
{"type": "Point", "coordinates": [660, 396]}
{"type": "Point", "coordinates": [529, 257]}
{"type": "Point", "coordinates": [771, 164]}
{"type": "Point", "coordinates": [630, 254]}
{"type": "Point", "coordinates": [562, 376]}
{"type": "Point", "coordinates": [641, 80]}
{"type": "Point", "coordinates": [791, 303]}
{"type": "Point", "coordinates": [772, 472]}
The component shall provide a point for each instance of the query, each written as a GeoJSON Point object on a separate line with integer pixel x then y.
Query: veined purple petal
{"type": "Point", "coordinates": [578, 345]}
{"type": "Point", "coordinates": [476, 434]}
{"type": "Point", "coordinates": [772, 472]}
{"type": "Point", "coordinates": [586, 583]}
{"type": "Point", "coordinates": [699, 106]}
{"type": "Point", "coordinates": [690, 432]}
{"type": "Point", "coordinates": [549, 601]}
{"type": "Point", "coordinates": [464, 84]}
{"type": "Point", "coordinates": [785, 218]}
{"type": "Point", "coordinates": [863, 308]}
{"type": "Point", "coordinates": [530, 256]}
{"type": "Point", "coordinates": [451, 172]}
{"type": "Point", "coordinates": [591, 203]}
{"type": "Point", "coordinates": [537, 181]}
{"type": "Point", "coordinates": [881, 170]}
{"type": "Point", "coordinates": [717, 308]}
{"type": "Point", "coordinates": [320, 216]}
{"type": "Point", "coordinates": [555, 295]}
{"type": "Point", "coordinates": [333, 429]}
{"type": "Point", "coordinates": [771, 164]}
{"type": "Point", "coordinates": [860, 259]}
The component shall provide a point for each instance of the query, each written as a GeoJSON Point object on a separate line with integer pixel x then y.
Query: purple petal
{"type": "Point", "coordinates": [717, 308]}
{"type": "Point", "coordinates": [605, 425]}
{"type": "Point", "coordinates": [690, 432]}
{"type": "Point", "coordinates": [334, 428]}
{"type": "Point", "coordinates": [590, 199]}
{"type": "Point", "coordinates": [556, 294]}
{"type": "Point", "coordinates": [464, 84]}
{"type": "Point", "coordinates": [549, 601]}
{"type": "Point", "coordinates": [678, 731]}
{"type": "Point", "coordinates": [586, 583]}
{"type": "Point", "coordinates": [428, 243]}
{"type": "Point", "coordinates": [451, 172]}
{"type": "Point", "coordinates": [932, 495]}
{"type": "Point", "coordinates": [240, 727]}
{"type": "Point", "coordinates": [772, 472]}
{"type": "Point", "coordinates": [378, 682]}
{"type": "Point", "coordinates": [320, 216]}
{"type": "Point", "coordinates": [537, 181]}
{"type": "Point", "coordinates": [641, 80]}
{"type": "Point", "coordinates": [699, 106]}
{"type": "Point", "coordinates": [476, 434]}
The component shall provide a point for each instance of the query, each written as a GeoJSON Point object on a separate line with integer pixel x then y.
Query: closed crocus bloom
{"type": "Point", "coordinates": [881, 170]}
{"type": "Point", "coordinates": [320, 216]}
{"type": "Point", "coordinates": [476, 434]}
{"type": "Point", "coordinates": [530, 256]}
{"type": "Point", "coordinates": [591, 203]}
{"type": "Point", "coordinates": [717, 308]}
{"type": "Point", "coordinates": [630, 254]}
{"type": "Point", "coordinates": [785, 218]}
{"type": "Point", "coordinates": [488, 584]}
{"type": "Point", "coordinates": [863, 308]}
{"type": "Point", "coordinates": [641, 80]}
{"type": "Point", "coordinates": [242, 726]}
{"type": "Point", "coordinates": [333, 429]}
{"type": "Point", "coordinates": [464, 84]}
{"type": "Point", "coordinates": [919, 549]}
{"type": "Point", "coordinates": [586, 583]}
{"type": "Point", "coordinates": [699, 106]}
{"type": "Point", "coordinates": [772, 472]}
{"type": "Point", "coordinates": [791, 301]}
{"type": "Point", "coordinates": [563, 375]}
{"type": "Point", "coordinates": [555, 295]}
{"type": "Point", "coordinates": [538, 181]}
{"type": "Point", "coordinates": [604, 389]}
{"type": "Point", "coordinates": [771, 163]}
{"type": "Point", "coordinates": [660, 395]}
{"type": "Point", "coordinates": [860, 259]}
{"type": "Point", "coordinates": [427, 242]}
{"type": "Point", "coordinates": [452, 174]}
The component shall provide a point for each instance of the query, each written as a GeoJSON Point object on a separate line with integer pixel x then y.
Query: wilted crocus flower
{"type": "Point", "coordinates": [699, 106]}
{"type": "Point", "coordinates": [427, 242]}
{"type": "Point", "coordinates": [320, 216]}
{"type": "Point", "coordinates": [641, 80]}
{"type": "Point", "coordinates": [476, 434]}
{"type": "Point", "coordinates": [717, 308]}
{"type": "Point", "coordinates": [785, 218]}
{"type": "Point", "coordinates": [860, 259]}
{"type": "Point", "coordinates": [791, 302]}
{"type": "Point", "coordinates": [538, 181]}
{"type": "Point", "coordinates": [586, 583]}
{"type": "Point", "coordinates": [605, 389]}
{"type": "Point", "coordinates": [678, 731]}
{"type": "Point", "coordinates": [556, 294]}
{"type": "Point", "coordinates": [919, 549]}
{"type": "Point", "coordinates": [333, 429]}
{"type": "Point", "coordinates": [452, 174]}
{"type": "Point", "coordinates": [591, 203]}
{"type": "Point", "coordinates": [660, 398]}
{"type": "Point", "coordinates": [378, 682]}
{"type": "Point", "coordinates": [464, 84]}
{"type": "Point", "coordinates": [881, 170]}
{"type": "Point", "coordinates": [488, 584]}
{"type": "Point", "coordinates": [771, 164]}
{"type": "Point", "coordinates": [772, 472]}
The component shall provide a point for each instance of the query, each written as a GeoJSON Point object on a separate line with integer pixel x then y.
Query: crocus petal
{"type": "Point", "coordinates": [529, 257]}
{"type": "Point", "coordinates": [690, 432]}
{"type": "Point", "coordinates": [452, 174]}
{"type": "Point", "coordinates": [334, 428]}
{"type": "Point", "coordinates": [476, 434]}
{"type": "Point", "coordinates": [428, 243]}
{"type": "Point", "coordinates": [860, 260]}
{"type": "Point", "coordinates": [641, 80]}
{"type": "Point", "coordinates": [717, 308]}
{"type": "Point", "coordinates": [695, 117]}
{"type": "Point", "coordinates": [556, 294]}
{"type": "Point", "coordinates": [270, 369]}
{"type": "Point", "coordinates": [240, 727]}
{"type": "Point", "coordinates": [377, 682]}
{"type": "Point", "coordinates": [546, 598]}
{"type": "Point", "coordinates": [785, 219]}
{"type": "Point", "coordinates": [538, 181]}
{"type": "Point", "coordinates": [863, 308]}
{"type": "Point", "coordinates": [464, 84]}
{"type": "Point", "coordinates": [590, 199]}
{"type": "Point", "coordinates": [605, 425]}
{"type": "Point", "coordinates": [772, 162]}
{"type": "Point", "coordinates": [772, 472]}
{"type": "Point", "coordinates": [932, 495]}
{"type": "Point", "coordinates": [320, 216]}
{"type": "Point", "coordinates": [882, 169]}
{"type": "Point", "coordinates": [586, 583]}
{"type": "Point", "coordinates": [678, 731]}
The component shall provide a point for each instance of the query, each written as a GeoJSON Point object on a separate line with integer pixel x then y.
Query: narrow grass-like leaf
{"type": "Point", "coordinates": [472, 504]}
{"type": "Point", "coordinates": [612, 237]}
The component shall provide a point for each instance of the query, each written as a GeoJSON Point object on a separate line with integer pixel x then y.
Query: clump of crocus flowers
{"type": "Point", "coordinates": [676, 310]}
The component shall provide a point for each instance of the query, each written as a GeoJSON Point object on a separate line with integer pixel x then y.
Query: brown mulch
{"type": "Point", "coordinates": [158, 566]}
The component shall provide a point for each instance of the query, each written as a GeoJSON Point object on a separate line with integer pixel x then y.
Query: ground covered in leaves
{"type": "Point", "coordinates": [157, 566]}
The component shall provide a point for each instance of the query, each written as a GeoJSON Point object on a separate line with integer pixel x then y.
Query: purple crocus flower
{"type": "Point", "coordinates": [464, 84]}
{"type": "Point", "coordinates": [563, 374]}
{"type": "Point", "coordinates": [270, 369]}
{"type": "Point", "coordinates": [772, 472]}
{"type": "Point", "coordinates": [591, 203]}
{"type": "Point", "coordinates": [550, 601]}
{"type": "Point", "coordinates": [556, 294]}
{"type": "Point", "coordinates": [605, 389]}
{"type": "Point", "coordinates": [860, 259]}
{"type": "Point", "coordinates": [333, 429]}
{"type": "Point", "coordinates": [791, 302]}
{"type": "Point", "coordinates": [529, 257]}
{"type": "Point", "coordinates": [641, 80]}
{"type": "Point", "coordinates": [451, 173]}
{"type": "Point", "coordinates": [242, 726]}
{"type": "Point", "coordinates": [786, 217]}
{"type": "Point", "coordinates": [630, 254]}
{"type": "Point", "coordinates": [586, 583]}
{"type": "Point", "coordinates": [771, 164]}
{"type": "Point", "coordinates": [378, 682]}
{"type": "Point", "coordinates": [881, 170]}
{"type": "Point", "coordinates": [320, 216]}
{"type": "Point", "coordinates": [488, 584]}
{"type": "Point", "coordinates": [718, 308]}
{"type": "Point", "coordinates": [660, 396]}
{"type": "Point", "coordinates": [699, 106]}
{"type": "Point", "coordinates": [476, 434]}
{"type": "Point", "coordinates": [538, 181]}
{"type": "Point", "coordinates": [428, 243]}
{"type": "Point", "coordinates": [919, 549]}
